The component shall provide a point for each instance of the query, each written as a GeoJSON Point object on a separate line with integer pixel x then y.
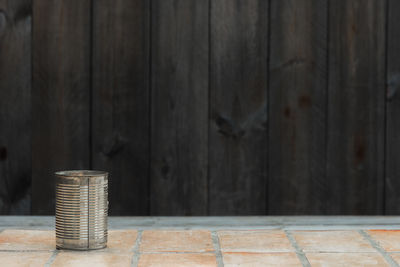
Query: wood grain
{"type": "Point", "coordinates": [392, 185]}
{"type": "Point", "coordinates": [179, 107]}
{"type": "Point", "coordinates": [297, 112]}
{"type": "Point", "coordinates": [60, 95]}
{"type": "Point", "coordinates": [202, 107]}
{"type": "Point", "coordinates": [238, 107]}
{"type": "Point", "coordinates": [356, 98]}
{"type": "Point", "coordinates": [15, 106]}
{"type": "Point", "coordinates": [121, 101]}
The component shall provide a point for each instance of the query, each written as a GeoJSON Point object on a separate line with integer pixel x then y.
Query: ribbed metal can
{"type": "Point", "coordinates": [81, 209]}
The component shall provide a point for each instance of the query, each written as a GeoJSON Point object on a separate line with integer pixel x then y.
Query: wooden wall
{"type": "Point", "coordinates": [203, 107]}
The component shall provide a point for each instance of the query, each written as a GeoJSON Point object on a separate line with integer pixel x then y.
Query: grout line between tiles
{"type": "Point", "coordinates": [217, 248]}
{"type": "Point", "coordinates": [136, 249]}
{"type": "Point", "coordinates": [338, 252]}
{"type": "Point", "coordinates": [377, 247]}
{"type": "Point", "coordinates": [24, 250]}
{"type": "Point", "coordinates": [299, 252]}
{"type": "Point", "coordinates": [175, 252]}
{"type": "Point", "coordinates": [51, 259]}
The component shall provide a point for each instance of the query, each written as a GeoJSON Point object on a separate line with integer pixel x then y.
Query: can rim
{"type": "Point", "coordinates": [81, 173]}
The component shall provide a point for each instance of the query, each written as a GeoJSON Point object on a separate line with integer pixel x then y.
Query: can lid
{"type": "Point", "coordinates": [81, 173]}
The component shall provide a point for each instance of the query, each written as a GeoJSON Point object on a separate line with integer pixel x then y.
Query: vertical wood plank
{"type": "Point", "coordinates": [356, 106]}
{"type": "Point", "coordinates": [179, 107]}
{"type": "Point", "coordinates": [393, 110]}
{"type": "Point", "coordinates": [238, 107]}
{"type": "Point", "coordinates": [121, 101]}
{"type": "Point", "coordinates": [297, 127]}
{"type": "Point", "coordinates": [61, 94]}
{"type": "Point", "coordinates": [15, 106]}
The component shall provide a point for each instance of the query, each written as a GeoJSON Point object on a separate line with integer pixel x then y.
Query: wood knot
{"type": "Point", "coordinates": [113, 146]}
{"type": "Point", "coordinates": [287, 112]}
{"type": "Point", "coordinates": [360, 150]}
{"type": "Point", "coordinates": [227, 128]}
{"type": "Point", "coordinates": [354, 28]}
{"type": "Point", "coordinates": [3, 22]}
{"type": "Point", "coordinates": [3, 153]}
{"type": "Point", "coordinates": [360, 153]}
{"type": "Point", "coordinates": [304, 101]}
{"type": "Point", "coordinates": [165, 169]}
{"type": "Point", "coordinates": [23, 13]}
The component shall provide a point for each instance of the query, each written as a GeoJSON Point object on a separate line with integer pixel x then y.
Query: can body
{"type": "Point", "coordinates": [81, 209]}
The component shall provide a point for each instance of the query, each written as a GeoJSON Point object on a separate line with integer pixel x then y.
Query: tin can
{"type": "Point", "coordinates": [81, 209]}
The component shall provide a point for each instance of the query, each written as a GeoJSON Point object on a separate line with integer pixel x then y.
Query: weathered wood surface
{"type": "Point", "coordinates": [179, 107]}
{"type": "Point", "coordinates": [356, 95]}
{"type": "Point", "coordinates": [238, 107]}
{"type": "Point", "coordinates": [297, 107]}
{"type": "Point", "coordinates": [60, 94]}
{"type": "Point", "coordinates": [120, 115]}
{"type": "Point", "coordinates": [392, 144]}
{"type": "Point", "coordinates": [203, 107]}
{"type": "Point", "coordinates": [15, 106]}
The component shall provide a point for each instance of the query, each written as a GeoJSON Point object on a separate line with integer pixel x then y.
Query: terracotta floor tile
{"type": "Point", "coordinates": [177, 260]}
{"type": "Point", "coordinates": [121, 240]}
{"type": "Point", "coordinates": [260, 259]}
{"type": "Point", "coordinates": [27, 240]}
{"type": "Point", "coordinates": [389, 240]}
{"type": "Point", "coordinates": [24, 259]}
{"type": "Point", "coordinates": [346, 259]}
{"type": "Point", "coordinates": [91, 259]}
{"type": "Point", "coordinates": [176, 241]}
{"type": "Point", "coordinates": [254, 241]}
{"type": "Point", "coordinates": [332, 241]}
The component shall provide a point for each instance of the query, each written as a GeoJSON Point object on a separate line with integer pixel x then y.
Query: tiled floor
{"type": "Point", "coordinates": [272, 247]}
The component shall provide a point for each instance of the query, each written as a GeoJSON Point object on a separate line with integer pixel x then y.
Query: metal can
{"type": "Point", "coordinates": [81, 209]}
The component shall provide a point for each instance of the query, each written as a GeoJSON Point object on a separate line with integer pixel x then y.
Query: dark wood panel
{"type": "Point", "coordinates": [179, 107]}
{"type": "Point", "coordinates": [61, 94]}
{"type": "Point", "coordinates": [297, 112]}
{"type": "Point", "coordinates": [121, 101]}
{"type": "Point", "coordinates": [393, 110]}
{"type": "Point", "coordinates": [238, 107]}
{"type": "Point", "coordinates": [356, 107]}
{"type": "Point", "coordinates": [172, 98]}
{"type": "Point", "coordinates": [15, 104]}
